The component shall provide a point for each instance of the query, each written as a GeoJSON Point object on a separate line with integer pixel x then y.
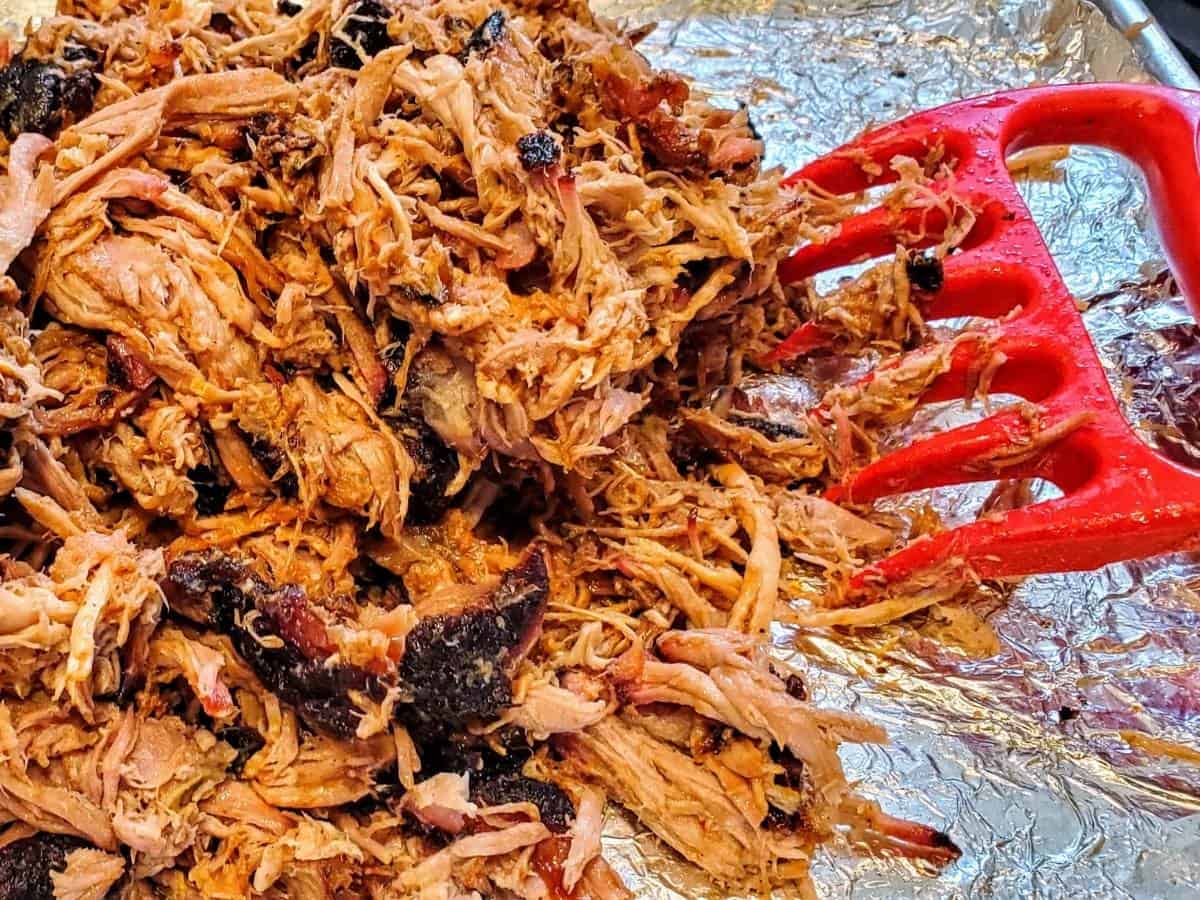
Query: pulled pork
{"type": "Point", "coordinates": [370, 517]}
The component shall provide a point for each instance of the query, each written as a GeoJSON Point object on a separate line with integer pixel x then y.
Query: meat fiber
{"type": "Point", "coordinates": [547, 710]}
{"type": "Point", "coordinates": [26, 196]}
{"type": "Point", "coordinates": [65, 628]}
{"type": "Point", "coordinates": [88, 875]}
{"type": "Point", "coordinates": [677, 797]}
{"type": "Point", "coordinates": [362, 328]}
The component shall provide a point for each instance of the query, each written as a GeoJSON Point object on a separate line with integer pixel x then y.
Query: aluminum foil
{"type": "Point", "coordinates": [1011, 741]}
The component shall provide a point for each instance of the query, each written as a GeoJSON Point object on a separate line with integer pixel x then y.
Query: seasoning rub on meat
{"type": "Point", "coordinates": [384, 487]}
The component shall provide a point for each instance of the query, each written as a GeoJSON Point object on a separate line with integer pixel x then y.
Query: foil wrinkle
{"type": "Point", "coordinates": [1006, 714]}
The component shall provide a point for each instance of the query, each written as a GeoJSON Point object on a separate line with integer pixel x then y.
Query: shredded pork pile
{"type": "Point", "coordinates": [390, 478]}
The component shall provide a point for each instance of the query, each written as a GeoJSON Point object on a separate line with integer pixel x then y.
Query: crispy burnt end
{"type": "Point", "coordinates": [81, 53]}
{"type": "Point", "coordinates": [553, 804]}
{"type": "Point", "coordinates": [436, 467]}
{"type": "Point", "coordinates": [457, 666]}
{"type": "Point", "coordinates": [538, 150]}
{"type": "Point", "coordinates": [794, 777]}
{"type": "Point", "coordinates": [363, 32]}
{"type": "Point", "coordinates": [38, 96]}
{"type": "Point", "coordinates": [25, 865]}
{"type": "Point", "coordinates": [502, 752]}
{"type": "Point", "coordinates": [211, 588]}
{"type": "Point", "coordinates": [275, 463]}
{"type": "Point", "coordinates": [285, 645]}
{"type": "Point", "coordinates": [30, 97]}
{"type": "Point", "coordinates": [489, 33]}
{"type": "Point", "coordinates": [689, 453]}
{"type": "Point", "coordinates": [378, 585]}
{"type": "Point", "coordinates": [925, 272]}
{"type": "Point", "coordinates": [211, 494]}
{"type": "Point", "coordinates": [317, 691]}
{"type": "Point", "coordinates": [220, 23]}
{"type": "Point", "coordinates": [290, 146]}
{"type": "Point", "coordinates": [425, 298]}
{"type": "Point", "coordinates": [796, 687]}
{"type": "Point", "coordinates": [778, 820]}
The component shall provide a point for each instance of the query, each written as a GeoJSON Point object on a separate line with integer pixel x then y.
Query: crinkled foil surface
{"type": "Point", "coordinates": [1014, 748]}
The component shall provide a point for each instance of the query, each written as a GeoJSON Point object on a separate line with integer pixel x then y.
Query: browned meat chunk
{"type": "Point", "coordinates": [458, 666]}
{"type": "Point", "coordinates": [285, 645]}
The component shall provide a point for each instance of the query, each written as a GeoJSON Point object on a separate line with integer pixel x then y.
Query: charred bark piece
{"type": "Point", "coordinates": [553, 804]}
{"type": "Point", "coordinates": [290, 146]}
{"type": "Point", "coordinates": [25, 865]}
{"type": "Point", "coordinates": [210, 588]}
{"type": "Point", "coordinates": [37, 96]}
{"type": "Point", "coordinates": [285, 644]}
{"type": "Point", "coordinates": [275, 463]}
{"type": "Point", "coordinates": [796, 687]}
{"type": "Point", "coordinates": [489, 33]}
{"type": "Point", "coordinates": [436, 468]}
{"type": "Point", "coordinates": [246, 741]}
{"type": "Point", "coordinates": [385, 789]}
{"type": "Point", "coordinates": [30, 97]}
{"type": "Point", "coordinates": [293, 617]}
{"type": "Point", "coordinates": [317, 691]}
{"type": "Point", "coordinates": [689, 453]}
{"type": "Point", "coordinates": [926, 273]}
{"type": "Point", "coordinates": [363, 32]}
{"type": "Point", "coordinates": [379, 585]}
{"type": "Point", "coordinates": [485, 758]}
{"type": "Point", "coordinates": [458, 666]}
{"type": "Point", "coordinates": [211, 494]}
{"type": "Point", "coordinates": [538, 150]}
{"type": "Point", "coordinates": [775, 431]}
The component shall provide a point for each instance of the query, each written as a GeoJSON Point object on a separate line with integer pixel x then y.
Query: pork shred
{"type": "Point", "coordinates": [375, 508]}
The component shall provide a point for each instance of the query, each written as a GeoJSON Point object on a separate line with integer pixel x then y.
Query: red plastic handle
{"type": "Point", "coordinates": [1157, 128]}
{"type": "Point", "coordinates": [1121, 500]}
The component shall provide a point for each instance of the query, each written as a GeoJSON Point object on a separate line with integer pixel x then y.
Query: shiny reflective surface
{"type": "Point", "coordinates": [1005, 715]}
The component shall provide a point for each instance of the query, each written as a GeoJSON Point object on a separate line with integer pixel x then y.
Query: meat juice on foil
{"type": "Point", "coordinates": [1012, 738]}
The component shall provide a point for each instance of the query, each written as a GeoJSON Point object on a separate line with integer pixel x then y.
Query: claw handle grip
{"type": "Point", "coordinates": [1158, 128]}
{"type": "Point", "coordinates": [1121, 500]}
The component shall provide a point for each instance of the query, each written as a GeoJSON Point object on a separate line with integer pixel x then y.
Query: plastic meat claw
{"type": "Point", "coordinates": [1120, 499]}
